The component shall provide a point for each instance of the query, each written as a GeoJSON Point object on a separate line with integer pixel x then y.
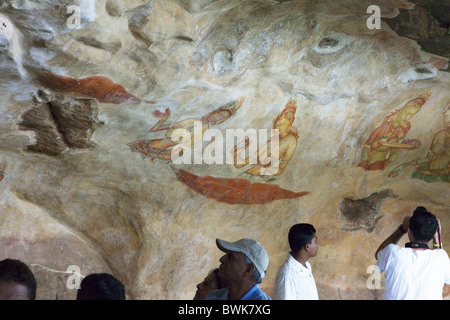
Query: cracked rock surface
{"type": "Point", "coordinates": [89, 101]}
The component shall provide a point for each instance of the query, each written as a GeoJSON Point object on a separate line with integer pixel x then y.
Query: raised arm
{"type": "Point", "coordinates": [395, 236]}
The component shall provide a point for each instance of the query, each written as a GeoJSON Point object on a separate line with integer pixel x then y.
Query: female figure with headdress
{"type": "Point", "coordinates": [435, 166]}
{"type": "Point", "coordinates": [287, 144]}
{"type": "Point", "coordinates": [390, 137]}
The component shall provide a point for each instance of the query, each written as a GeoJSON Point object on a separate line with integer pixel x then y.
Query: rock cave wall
{"type": "Point", "coordinates": [88, 108]}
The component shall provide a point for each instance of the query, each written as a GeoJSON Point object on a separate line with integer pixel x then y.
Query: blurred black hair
{"type": "Point", "coordinates": [16, 271]}
{"type": "Point", "coordinates": [423, 225]}
{"type": "Point", "coordinates": [299, 235]}
{"type": "Point", "coordinates": [101, 286]}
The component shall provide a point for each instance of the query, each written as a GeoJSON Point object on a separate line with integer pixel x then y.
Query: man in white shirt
{"type": "Point", "coordinates": [294, 280]}
{"type": "Point", "coordinates": [414, 272]}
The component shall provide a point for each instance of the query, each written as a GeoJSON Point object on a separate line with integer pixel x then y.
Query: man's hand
{"type": "Point", "coordinates": [394, 237]}
{"type": "Point", "coordinates": [405, 223]}
{"type": "Point", "coordinates": [437, 235]}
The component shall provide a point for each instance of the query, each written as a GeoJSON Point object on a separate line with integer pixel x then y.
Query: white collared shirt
{"type": "Point", "coordinates": [295, 282]}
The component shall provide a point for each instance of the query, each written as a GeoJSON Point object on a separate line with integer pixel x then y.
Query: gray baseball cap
{"type": "Point", "coordinates": [251, 249]}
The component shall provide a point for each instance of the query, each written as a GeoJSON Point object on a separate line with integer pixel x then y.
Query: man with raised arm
{"type": "Point", "coordinates": [414, 272]}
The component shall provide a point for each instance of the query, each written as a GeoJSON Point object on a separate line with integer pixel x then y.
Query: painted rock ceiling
{"type": "Point", "coordinates": [117, 151]}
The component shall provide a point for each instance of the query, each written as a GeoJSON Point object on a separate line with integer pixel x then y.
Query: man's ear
{"type": "Point", "coordinates": [410, 236]}
{"type": "Point", "coordinates": [306, 247]}
{"type": "Point", "coordinates": [249, 269]}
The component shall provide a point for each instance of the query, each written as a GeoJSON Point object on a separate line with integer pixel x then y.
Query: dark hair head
{"type": "Point", "coordinates": [423, 225]}
{"type": "Point", "coordinates": [299, 235]}
{"type": "Point", "coordinates": [101, 286]}
{"type": "Point", "coordinates": [18, 272]}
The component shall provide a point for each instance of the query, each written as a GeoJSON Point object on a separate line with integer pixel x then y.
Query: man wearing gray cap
{"type": "Point", "coordinates": [241, 269]}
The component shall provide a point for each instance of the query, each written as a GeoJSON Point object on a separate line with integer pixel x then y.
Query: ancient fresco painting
{"type": "Point", "coordinates": [236, 190]}
{"type": "Point", "coordinates": [98, 87]}
{"type": "Point", "coordinates": [243, 191]}
{"type": "Point", "coordinates": [162, 148]}
{"type": "Point", "coordinates": [230, 190]}
{"type": "Point", "coordinates": [435, 166]}
{"type": "Point", "coordinates": [287, 140]}
{"type": "Point", "coordinates": [389, 138]}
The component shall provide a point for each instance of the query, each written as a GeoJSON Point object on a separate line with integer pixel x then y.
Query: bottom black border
{"type": "Point", "coordinates": [189, 309]}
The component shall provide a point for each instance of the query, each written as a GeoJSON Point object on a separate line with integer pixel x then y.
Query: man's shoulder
{"type": "Point", "coordinates": [261, 295]}
{"type": "Point", "coordinates": [441, 254]}
{"type": "Point", "coordinates": [388, 251]}
{"type": "Point", "coordinates": [220, 294]}
{"type": "Point", "coordinates": [284, 267]}
{"type": "Point", "coordinates": [392, 248]}
{"type": "Point", "coordinates": [256, 293]}
{"type": "Point", "coordinates": [286, 273]}
{"type": "Point", "coordinates": [396, 250]}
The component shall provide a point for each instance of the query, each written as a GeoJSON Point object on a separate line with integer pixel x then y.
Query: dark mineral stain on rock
{"type": "Point", "coordinates": [328, 42]}
{"type": "Point", "coordinates": [60, 123]}
{"type": "Point", "coordinates": [363, 213]}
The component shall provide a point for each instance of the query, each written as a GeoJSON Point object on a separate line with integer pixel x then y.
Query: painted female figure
{"type": "Point", "coordinates": [287, 144]}
{"type": "Point", "coordinates": [435, 166]}
{"type": "Point", "coordinates": [162, 148]}
{"type": "Point", "coordinates": [390, 137]}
